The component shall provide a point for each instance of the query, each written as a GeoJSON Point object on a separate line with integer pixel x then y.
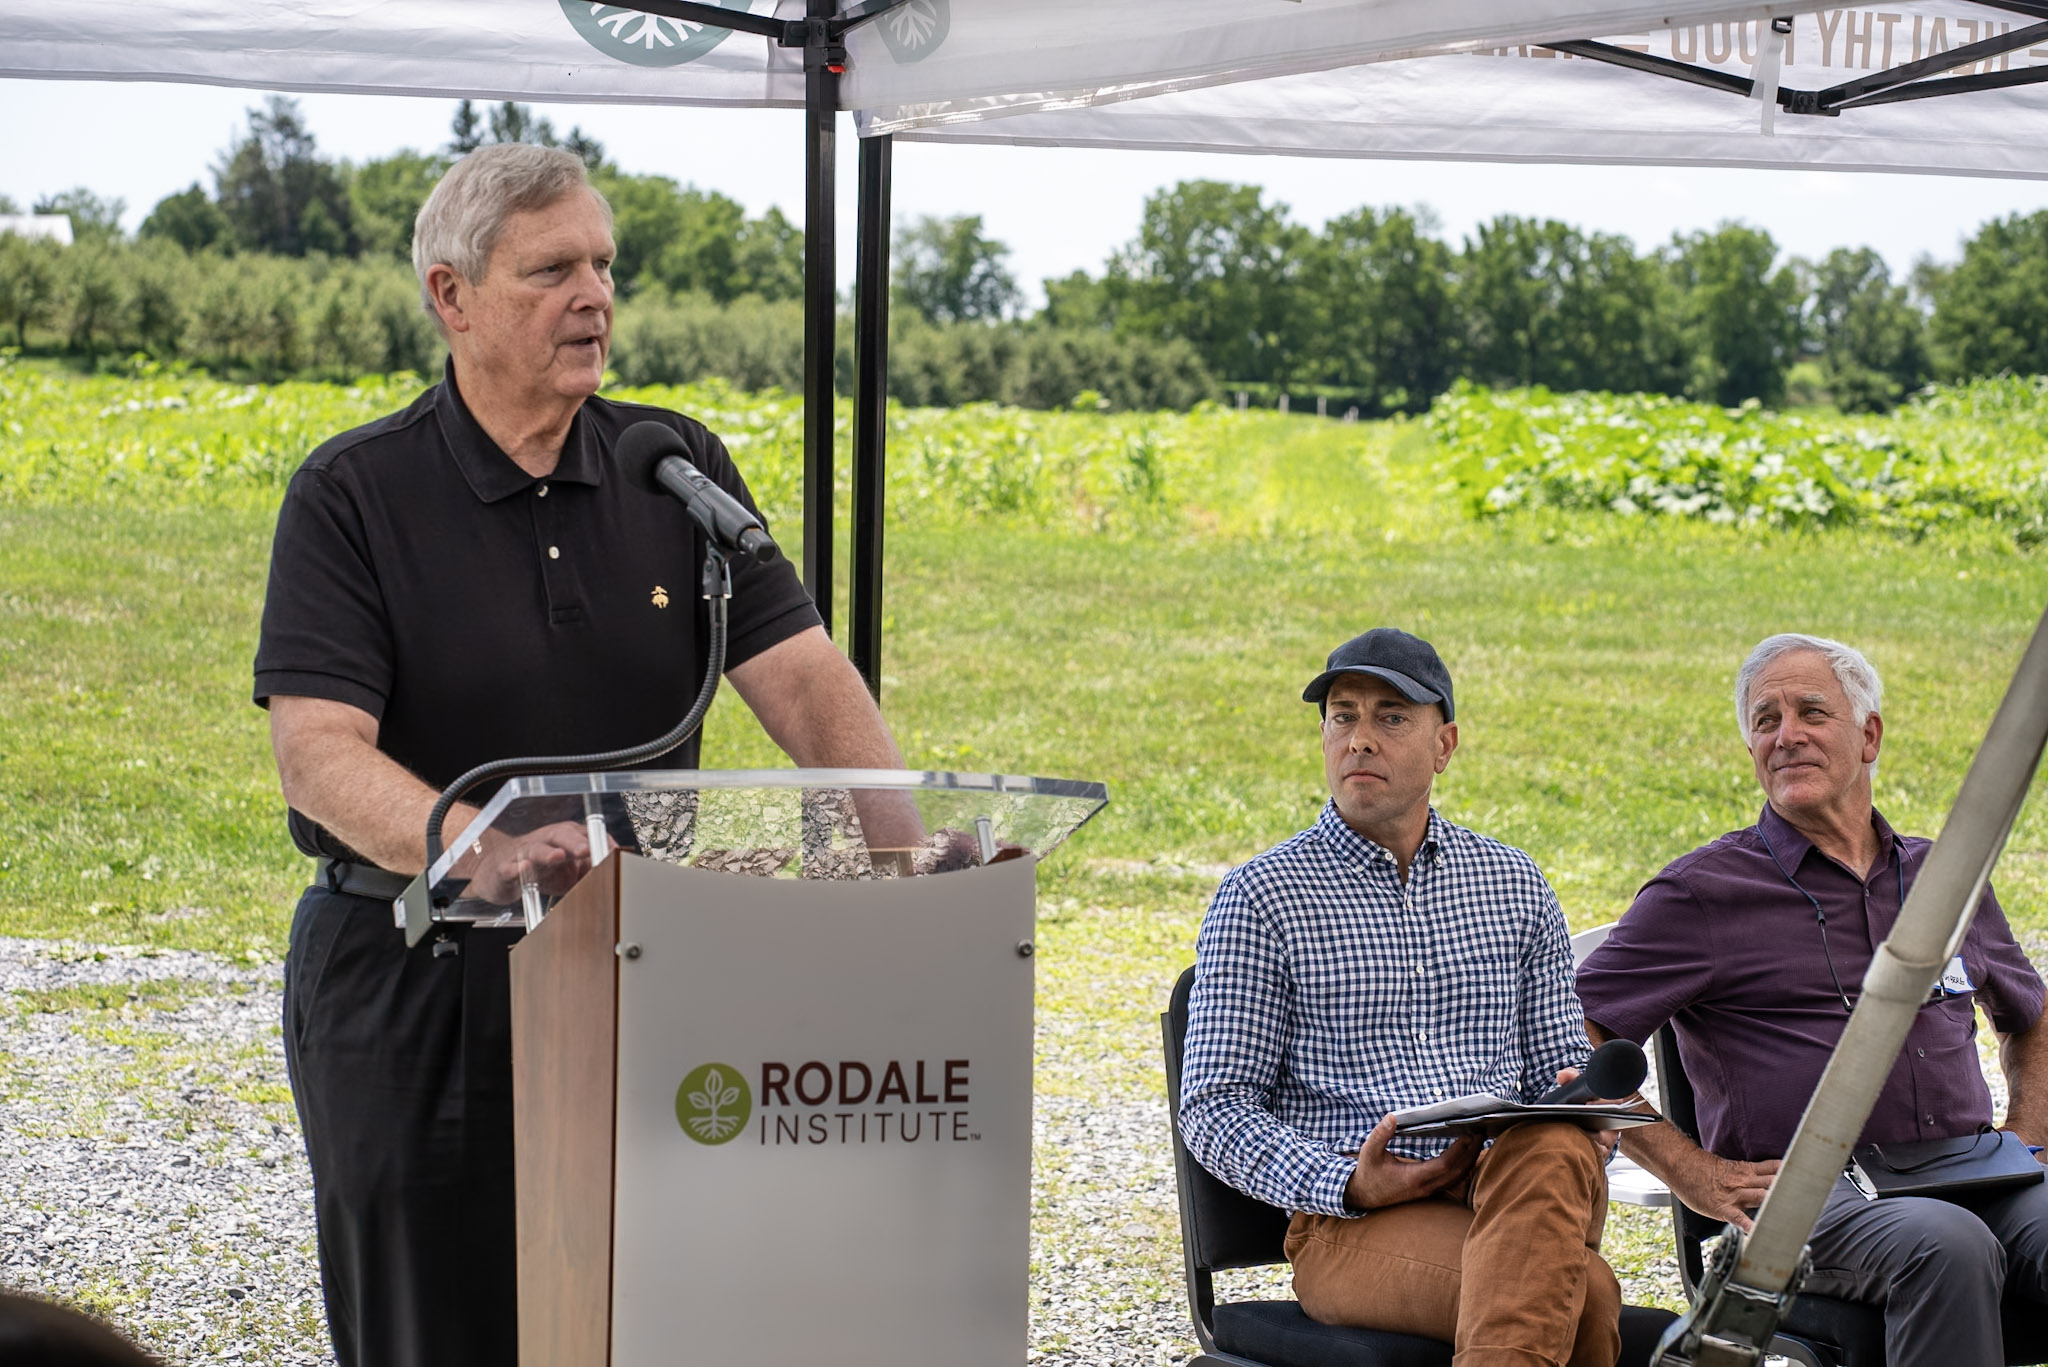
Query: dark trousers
{"type": "Point", "coordinates": [401, 1066]}
{"type": "Point", "coordinates": [1938, 1268]}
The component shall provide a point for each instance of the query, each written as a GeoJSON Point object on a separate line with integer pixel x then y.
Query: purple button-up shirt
{"type": "Point", "coordinates": [1723, 945]}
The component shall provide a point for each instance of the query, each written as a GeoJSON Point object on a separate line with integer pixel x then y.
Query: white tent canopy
{"type": "Point", "coordinates": [1051, 53]}
{"type": "Point", "coordinates": [1466, 79]}
{"type": "Point", "coordinates": [1530, 103]}
{"type": "Point", "coordinates": [505, 49]}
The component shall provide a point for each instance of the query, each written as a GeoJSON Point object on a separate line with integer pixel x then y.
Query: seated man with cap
{"type": "Point", "coordinates": [1386, 959]}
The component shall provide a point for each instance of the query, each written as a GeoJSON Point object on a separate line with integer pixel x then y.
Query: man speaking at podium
{"type": "Point", "coordinates": [467, 580]}
{"type": "Point", "coordinates": [1382, 960]}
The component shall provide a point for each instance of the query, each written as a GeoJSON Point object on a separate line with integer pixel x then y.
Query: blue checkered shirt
{"type": "Point", "coordinates": [1328, 994]}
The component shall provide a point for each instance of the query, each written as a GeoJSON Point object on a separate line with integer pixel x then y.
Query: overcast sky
{"type": "Point", "coordinates": [1058, 209]}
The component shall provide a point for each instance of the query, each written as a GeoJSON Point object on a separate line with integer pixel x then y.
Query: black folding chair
{"type": "Point", "coordinates": [1221, 1227]}
{"type": "Point", "coordinates": [1821, 1331]}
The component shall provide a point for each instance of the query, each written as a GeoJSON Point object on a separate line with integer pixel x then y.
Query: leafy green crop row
{"type": "Point", "coordinates": [1977, 450]}
{"type": "Point", "coordinates": [1082, 470]}
{"type": "Point", "coordinates": [163, 438]}
{"type": "Point", "coordinates": [1972, 454]}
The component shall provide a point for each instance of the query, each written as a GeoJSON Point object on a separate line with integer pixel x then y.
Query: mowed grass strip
{"type": "Point", "coordinates": [1593, 658]}
{"type": "Point", "coordinates": [137, 801]}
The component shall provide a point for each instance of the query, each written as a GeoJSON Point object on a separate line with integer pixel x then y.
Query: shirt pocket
{"type": "Point", "coordinates": [1476, 992]}
{"type": "Point", "coordinates": [1479, 986]}
{"type": "Point", "coordinates": [1959, 1012]}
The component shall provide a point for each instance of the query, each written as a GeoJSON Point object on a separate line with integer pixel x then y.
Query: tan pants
{"type": "Point", "coordinates": [1509, 1272]}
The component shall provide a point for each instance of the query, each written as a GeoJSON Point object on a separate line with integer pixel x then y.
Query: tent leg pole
{"type": "Point", "coordinates": [821, 301]}
{"type": "Point", "coordinates": [870, 407]}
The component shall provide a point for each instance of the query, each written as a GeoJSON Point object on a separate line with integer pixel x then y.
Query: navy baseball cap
{"type": "Point", "coordinates": [1409, 663]}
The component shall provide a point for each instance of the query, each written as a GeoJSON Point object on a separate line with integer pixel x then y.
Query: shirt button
{"type": "Point", "coordinates": [554, 552]}
{"type": "Point", "coordinates": [1921, 1052]}
{"type": "Point", "coordinates": [1421, 1037]}
{"type": "Point", "coordinates": [1418, 968]}
{"type": "Point", "coordinates": [1930, 1120]}
{"type": "Point", "coordinates": [543, 493]}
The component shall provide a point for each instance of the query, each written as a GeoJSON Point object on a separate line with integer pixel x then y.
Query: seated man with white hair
{"type": "Point", "coordinates": [1754, 947]}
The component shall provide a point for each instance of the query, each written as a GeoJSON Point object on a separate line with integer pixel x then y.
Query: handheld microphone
{"type": "Point", "coordinates": [1616, 1069]}
{"type": "Point", "coordinates": [653, 456]}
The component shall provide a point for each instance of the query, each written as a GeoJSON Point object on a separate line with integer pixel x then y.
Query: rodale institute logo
{"type": "Point", "coordinates": [713, 1104]}
{"type": "Point", "coordinates": [914, 29]}
{"type": "Point", "coordinates": [645, 39]}
{"type": "Point", "coordinates": [913, 1101]}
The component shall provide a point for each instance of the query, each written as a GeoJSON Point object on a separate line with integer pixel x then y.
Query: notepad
{"type": "Point", "coordinates": [1485, 1114]}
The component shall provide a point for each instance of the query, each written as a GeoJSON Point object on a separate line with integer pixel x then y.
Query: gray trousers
{"type": "Point", "coordinates": [1938, 1268]}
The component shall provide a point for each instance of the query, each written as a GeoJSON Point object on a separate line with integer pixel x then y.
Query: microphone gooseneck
{"type": "Point", "coordinates": [643, 451]}
{"type": "Point", "coordinates": [1616, 1069]}
{"type": "Point", "coordinates": [652, 455]}
{"type": "Point", "coordinates": [714, 667]}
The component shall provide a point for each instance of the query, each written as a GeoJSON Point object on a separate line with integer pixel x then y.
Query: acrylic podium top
{"type": "Point", "coordinates": [536, 837]}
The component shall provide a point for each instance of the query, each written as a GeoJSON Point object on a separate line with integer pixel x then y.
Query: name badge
{"type": "Point", "coordinates": [1955, 979]}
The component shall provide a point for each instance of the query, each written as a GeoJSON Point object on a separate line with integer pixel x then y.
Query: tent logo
{"type": "Point", "coordinates": [914, 29]}
{"type": "Point", "coordinates": [647, 39]}
{"type": "Point", "coordinates": [713, 1103]}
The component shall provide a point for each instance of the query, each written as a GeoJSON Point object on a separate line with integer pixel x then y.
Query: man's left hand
{"type": "Point", "coordinates": [1604, 1140]}
{"type": "Point", "coordinates": [554, 858]}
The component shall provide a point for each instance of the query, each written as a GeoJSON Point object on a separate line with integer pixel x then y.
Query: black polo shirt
{"type": "Point", "coordinates": [480, 613]}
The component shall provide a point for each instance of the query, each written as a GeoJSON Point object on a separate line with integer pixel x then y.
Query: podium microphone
{"type": "Point", "coordinates": [1616, 1069]}
{"type": "Point", "coordinates": [653, 456]}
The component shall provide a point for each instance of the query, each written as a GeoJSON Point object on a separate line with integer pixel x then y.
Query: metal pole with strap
{"type": "Point", "coordinates": [823, 61]}
{"type": "Point", "coordinates": [870, 409]}
{"type": "Point", "coordinates": [821, 33]}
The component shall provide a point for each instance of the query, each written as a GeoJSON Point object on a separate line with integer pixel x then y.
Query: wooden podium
{"type": "Point", "coordinates": [565, 1023]}
{"type": "Point", "coordinates": [785, 1118]}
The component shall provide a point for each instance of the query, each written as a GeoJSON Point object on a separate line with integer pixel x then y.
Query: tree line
{"type": "Point", "coordinates": [1375, 306]}
{"type": "Point", "coordinates": [293, 263]}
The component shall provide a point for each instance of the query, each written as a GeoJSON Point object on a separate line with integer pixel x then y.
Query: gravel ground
{"type": "Point", "coordinates": [153, 1171]}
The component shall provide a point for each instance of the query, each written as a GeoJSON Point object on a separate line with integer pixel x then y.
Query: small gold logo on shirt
{"type": "Point", "coordinates": [660, 596]}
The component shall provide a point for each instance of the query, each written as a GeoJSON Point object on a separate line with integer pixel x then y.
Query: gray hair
{"type": "Point", "coordinates": [1855, 673]}
{"type": "Point", "coordinates": [463, 218]}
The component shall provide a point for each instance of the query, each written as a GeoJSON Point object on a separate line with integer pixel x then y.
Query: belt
{"type": "Point", "coordinates": [360, 880]}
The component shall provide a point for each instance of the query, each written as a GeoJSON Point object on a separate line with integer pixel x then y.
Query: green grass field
{"type": "Point", "coordinates": [1072, 634]}
{"type": "Point", "coordinates": [1593, 656]}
